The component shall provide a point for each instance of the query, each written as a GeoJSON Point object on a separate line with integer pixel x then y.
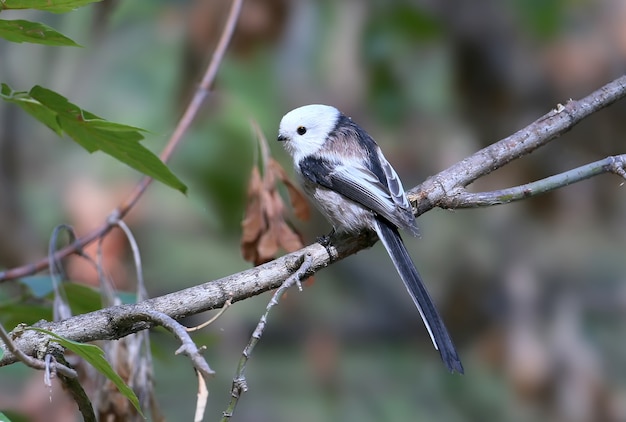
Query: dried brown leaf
{"type": "Point", "coordinates": [278, 207]}
{"type": "Point", "coordinates": [264, 227]}
{"type": "Point", "coordinates": [269, 177]}
{"type": "Point", "coordinates": [252, 226]}
{"type": "Point", "coordinates": [269, 207]}
{"type": "Point", "coordinates": [277, 169]}
{"type": "Point", "coordinates": [299, 202]}
{"type": "Point", "coordinates": [253, 222]}
{"type": "Point", "coordinates": [287, 238]}
{"type": "Point", "coordinates": [249, 252]}
{"type": "Point", "coordinates": [267, 246]}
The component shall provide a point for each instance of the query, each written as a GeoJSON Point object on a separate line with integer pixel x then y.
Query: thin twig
{"type": "Point", "coordinates": [188, 347]}
{"type": "Point", "coordinates": [239, 381]}
{"type": "Point", "coordinates": [142, 293]}
{"type": "Point", "coordinates": [134, 349]}
{"type": "Point", "coordinates": [107, 291]}
{"type": "Point", "coordinates": [31, 361]}
{"type": "Point", "coordinates": [212, 320]}
{"type": "Point", "coordinates": [61, 308]}
{"type": "Point", "coordinates": [183, 125]}
{"type": "Point", "coordinates": [463, 199]}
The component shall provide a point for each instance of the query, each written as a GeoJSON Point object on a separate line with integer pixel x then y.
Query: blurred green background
{"type": "Point", "coordinates": [533, 293]}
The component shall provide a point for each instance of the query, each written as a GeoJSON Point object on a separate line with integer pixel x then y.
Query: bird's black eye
{"type": "Point", "coordinates": [301, 130]}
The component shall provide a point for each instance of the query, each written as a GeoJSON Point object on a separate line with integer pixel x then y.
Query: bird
{"type": "Point", "coordinates": [344, 171]}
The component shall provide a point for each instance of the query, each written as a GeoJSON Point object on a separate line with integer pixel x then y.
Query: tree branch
{"type": "Point", "coordinates": [240, 384]}
{"type": "Point", "coordinates": [188, 347]}
{"type": "Point", "coordinates": [436, 190]}
{"type": "Point", "coordinates": [28, 360]}
{"type": "Point", "coordinates": [119, 321]}
{"type": "Point", "coordinates": [463, 199]}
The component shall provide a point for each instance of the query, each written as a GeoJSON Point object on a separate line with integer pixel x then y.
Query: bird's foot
{"type": "Point", "coordinates": [325, 242]}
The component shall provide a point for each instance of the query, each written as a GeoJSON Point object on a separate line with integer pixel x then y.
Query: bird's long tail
{"type": "Point", "coordinates": [390, 237]}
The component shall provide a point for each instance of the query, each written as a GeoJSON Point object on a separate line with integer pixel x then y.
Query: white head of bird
{"type": "Point", "coordinates": [305, 129]}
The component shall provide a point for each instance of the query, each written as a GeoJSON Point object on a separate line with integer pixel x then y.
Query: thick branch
{"type": "Point", "coordinates": [448, 183]}
{"type": "Point", "coordinates": [119, 321]}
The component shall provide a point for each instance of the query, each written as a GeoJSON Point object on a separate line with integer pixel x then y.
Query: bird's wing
{"type": "Point", "coordinates": [382, 193]}
{"type": "Point", "coordinates": [396, 192]}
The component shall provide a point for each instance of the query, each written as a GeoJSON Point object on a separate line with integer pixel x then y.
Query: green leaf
{"type": "Point", "coordinates": [55, 6]}
{"type": "Point", "coordinates": [13, 416]}
{"type": "Point", "coordinates": [33, 32]}
{"type": "Point", "coordinates": [95, 356]}
{"type": "Point", "coordinates": [32, 107]}
{"type": "Point", "coordinates": [81, 298]}
{"type": "Point", "coordinates": [92, 132]}
{"type": "Point", "coordinates": [12, 314]}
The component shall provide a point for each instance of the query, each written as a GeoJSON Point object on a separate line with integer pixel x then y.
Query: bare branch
{"type": "Point", "coordinates": [188, 347]}
{"type": "Point", "coordinates": [142, 293]}
{"type": "Point", "coordinates": [464, 199]}
{"type": "Point", "coordinates": [452, 181]}
{"type": "Point", "coordinates": [119, 321]}
{"type": "Point", "coordinates": [240, 384]}
{"type": "Point", "coordinates": [61, 307]}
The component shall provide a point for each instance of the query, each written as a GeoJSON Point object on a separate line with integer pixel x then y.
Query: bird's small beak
{"type": "Point", "coordinates": [282, 138]}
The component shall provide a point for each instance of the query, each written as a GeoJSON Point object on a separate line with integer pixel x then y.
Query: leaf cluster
{"type": "Point", "coordinates": [93, 133]}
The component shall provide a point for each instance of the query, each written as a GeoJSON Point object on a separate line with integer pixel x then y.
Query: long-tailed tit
{"type": "Point", "coordinates": [344, 171]}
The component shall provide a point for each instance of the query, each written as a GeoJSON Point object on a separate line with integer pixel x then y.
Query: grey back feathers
{"type": "Point", "coordinates": [319, 137]}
